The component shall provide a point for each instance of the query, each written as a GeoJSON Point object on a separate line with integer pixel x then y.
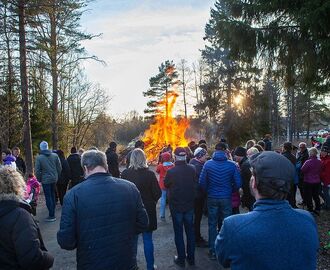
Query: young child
{"type": "Point", "coordinates": [32, 192]}
{"type": "Point", "coordinates": [161, 169]}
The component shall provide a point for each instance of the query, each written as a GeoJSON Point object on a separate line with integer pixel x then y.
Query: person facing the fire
{"type": "Point", "coordinates": [181, 182]}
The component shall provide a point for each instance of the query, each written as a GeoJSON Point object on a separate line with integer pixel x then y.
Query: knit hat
{"type": "Point", "coordinates": [273, 169]}
{"type": "Point", "coordinates": [165, 157]}
{"type": "Point", "coordinates": [200, 152]}
{"type": "Point", "coordinates": [180, 152]}
{"type": "Point", "coordinates": [240, 151]}
{"type": "Point", "coordinates": [43, 145]}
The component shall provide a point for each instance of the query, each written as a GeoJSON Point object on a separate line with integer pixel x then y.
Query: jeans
{"type": "Point", "coordinates": [186, 220]}
{"type": "Point", "coordinates": [218, 210]}
{"type": "Point", "coordinates": [148, 247]}
{"type": "Point", "coordinates": [49, 191]}
{"type": "Point", "coordinates": [163, 203]}
{"type": "Point", "coordinates": [326, 196]}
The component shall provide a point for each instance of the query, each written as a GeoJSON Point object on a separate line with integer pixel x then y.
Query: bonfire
{"type": "Point", "coordinates": [166, 130]}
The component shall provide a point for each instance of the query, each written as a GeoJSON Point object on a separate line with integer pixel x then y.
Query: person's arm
{"type": "Point", "coordinates": [305, 167]}
{"type": "Point", "coordinates": [237, 178]}
{"type": "Point", "coordinates": [203, 178]}
{"type": "Point", "coordinates": [142, 220]}
{"type": "Point", "coordinates": [156, 192]}
{"type": "Point", "coordinates": [58, 165]}
{"type": "Point", "coordinates": [168, 179]}
{"type": "Point", "coordinates": [27, 244]}
{"type": "Point", "coordinates": [23, 166]}
{"type": "Point", "coordinates": [223, 246]}
{"type": "Point", "coordinates": [37, 169]}
{"type": "Point", "coordinates": [66, 236]}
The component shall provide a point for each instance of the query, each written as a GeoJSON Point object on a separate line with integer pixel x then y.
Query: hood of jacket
{"type": "Point", "coordinates": [33, 182]}
{"type": "Point", "coordinates": [45, 152]}
{"type": "Point", "coordinates": [8, 159]}
{"type": "Point", "coordinates": [219, 156]}
{"type": "Point", "coordinates": [8, 202]}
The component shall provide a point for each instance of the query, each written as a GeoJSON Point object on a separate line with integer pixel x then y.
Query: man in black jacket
{"type": "Point", "coordinates": [181, 182]}
{"type": "Point", "coordinates": [287, 152]}
{"type": "Point", "coordinates": [101, 217]}
{"type": "Point", "coordinates": [77, 173]}
{"type": "Point", "coordinates": [301, 159]}
{"type": "Point", "coordinates": [112, 160]}
{"type": "Point", "coordinates": [245, 169]}
{"type": "Point", "coordinates": [20, 164]}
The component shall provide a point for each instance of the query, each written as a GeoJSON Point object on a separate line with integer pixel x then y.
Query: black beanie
{"type": "Point", "coordinates": [240, 151]}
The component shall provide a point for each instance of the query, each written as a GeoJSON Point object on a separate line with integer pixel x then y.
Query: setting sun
{"type": "Point", "coordinates": [238, 100]}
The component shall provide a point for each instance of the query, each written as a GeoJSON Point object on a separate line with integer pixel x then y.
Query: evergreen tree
{"type": "Point", "coordinates": [161, 86]}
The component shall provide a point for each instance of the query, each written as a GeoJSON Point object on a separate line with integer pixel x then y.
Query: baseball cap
{"type": "Point", "coordinates": [273, 168]}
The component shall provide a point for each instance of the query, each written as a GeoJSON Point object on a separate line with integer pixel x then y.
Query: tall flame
{"type": "Point", "coordinates": [166, 130]}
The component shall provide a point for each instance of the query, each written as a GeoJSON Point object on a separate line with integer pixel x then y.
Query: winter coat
{"type": "Point", "coordinates": [21, 245]}
{"type": "Point", "coordinates": [293, 160]}
{"type": "Point", "coordinates": [20, 165]}
{"type": "Point", "coordinates": [162, 170]}
{"type": "Point", "coordinates": [65, 173]}
{"type": "Point", "coordinates": [181, 182]}
{"type": "Point", "coordinates": [220, 177]}
{"type": "Point", "coordinates": [198, 166]}
{"type": "Point", "coordinates": [10, 161]}
{"type": "Point", "coordinates": [112, 160]}
{"type": "Point", "coordinates": [301, 159]}
{"type": "Point", "coordinates": [268, 144]}
{"type": "Point", "coordinates": [325, 173]}
{"type": "Point", "coordinates": [247, 198]}
{"type": "Point", "coordinates": [77, 172]}
{"type": "Point", "coordinates": [259, 239]}
{"type": "Point", "coordinates": [47, 167]}
{"type": "Point", "coordinates": [146, 182]}
{"type": "Point", "coordinates": [32, 190]}
{"type": "Point", "coordinates": [100, 218]}
{"type": "Point", "coordinates": [312, 170]}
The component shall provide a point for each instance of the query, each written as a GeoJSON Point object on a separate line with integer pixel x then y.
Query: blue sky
{"type": "Point", "coordinates": [137, 36]}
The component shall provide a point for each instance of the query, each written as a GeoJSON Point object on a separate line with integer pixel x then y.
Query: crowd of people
{"type": "Point", "coordinates": [104, 210]}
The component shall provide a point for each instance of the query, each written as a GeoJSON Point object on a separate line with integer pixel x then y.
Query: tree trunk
{"type": "Point", "coordinates": [24, 89]}
{"type": "Point", "coordinates": [54, 73]}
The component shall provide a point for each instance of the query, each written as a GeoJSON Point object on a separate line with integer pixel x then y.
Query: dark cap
{"type": "Point", "coordinates": [273, 168]}
{"type": "Point", "coordinates": [221, 146]}
{"type": "Point", "coordinates": [288, 146]}
{"type": "Point", "coordinates": [240, 151]}
{"type": "Point", "coordinates": [180, 152]}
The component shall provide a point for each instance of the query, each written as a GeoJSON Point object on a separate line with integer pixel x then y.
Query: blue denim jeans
{"type": "Point", "coordinates": [163, 203]}
{"type": "Point", "coordinates": [148, 247]}
{"type": "Point", "coordinates": [49, 191]}
{"type": "Point", "coordinates": [218, 210]}
{"type": "Point", "coordinates": [184, 220]}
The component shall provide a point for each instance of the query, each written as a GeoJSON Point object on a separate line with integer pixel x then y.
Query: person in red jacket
{"type": "Point", "coordinates": [325, 175]}
{"type": "Point", "coordinates": [161, 169]}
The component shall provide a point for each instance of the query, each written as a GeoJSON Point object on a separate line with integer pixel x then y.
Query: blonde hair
{"type": "Point", "coordinates": [11, 182]}
{"type": "Point", "coordinates": [250, 143]}
{"type": "Point", "coordinates": [251, 151]}
{"type": "Point", "coordinates": [138, 159]}
{"type": "Point", "coordinates": [313, 152]}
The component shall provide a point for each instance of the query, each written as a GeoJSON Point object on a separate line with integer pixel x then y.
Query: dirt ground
{"type": "Point", "coordinates": [163, 243]}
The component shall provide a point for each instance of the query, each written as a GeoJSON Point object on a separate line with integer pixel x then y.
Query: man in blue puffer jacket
{"type": "Point", "coordinates": [219, 178]}
{"type": "Point", "coordinates": [101, 217]}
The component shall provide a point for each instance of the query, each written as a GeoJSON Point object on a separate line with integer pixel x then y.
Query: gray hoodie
{"type": "Point", "coordinates": [48, 167]}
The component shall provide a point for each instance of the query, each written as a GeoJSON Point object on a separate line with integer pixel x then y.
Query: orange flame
{"type": "Point", "coordinates": [166, 130]}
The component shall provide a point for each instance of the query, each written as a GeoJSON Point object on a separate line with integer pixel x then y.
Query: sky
{"type": "Point", "coordinates": [137, 36]}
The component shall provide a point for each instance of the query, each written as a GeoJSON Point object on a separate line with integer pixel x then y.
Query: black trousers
{"type": "Point", "coordinates": [198, 211]}
{"type": "Point", "coordinates": [312, 193]}
{"type": "Point", "coordinates": [292, 196]}
{"type": "Point", "coordinates": [61, 190]}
